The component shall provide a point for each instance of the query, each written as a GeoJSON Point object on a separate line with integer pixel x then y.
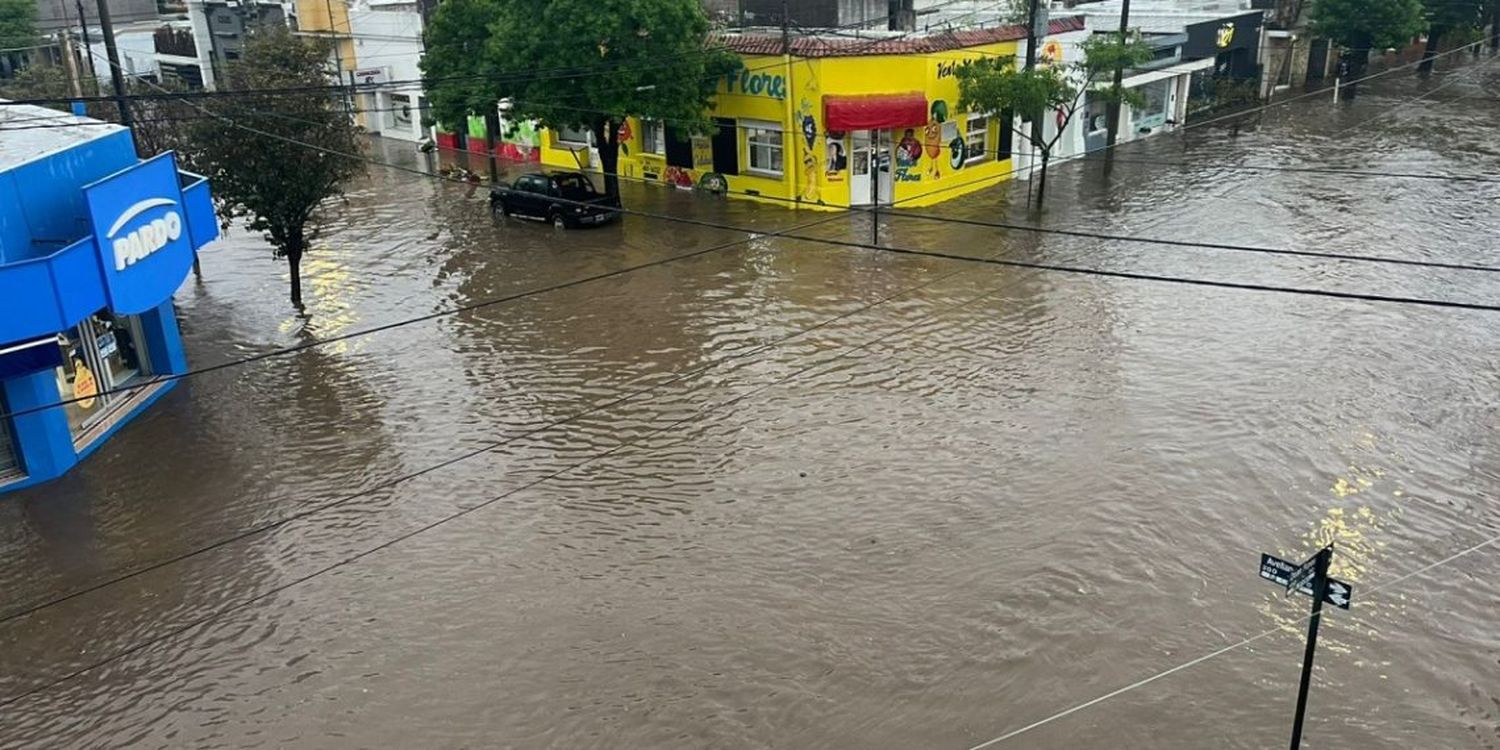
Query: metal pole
{"type": "Point", "coordinates": [1320, 589]}
{"type": "Point", "coordinates": [83, 30]}
{"type": "Point", "coordinates": [1036, 117]}
{"type": "Point", "coordinates": [1336, 82]}
{"type": "Point", "coordinates": [116, 76]}
{"type": "Point", "coordinates": [875, 187]}
{"type": "Point", "coordinates": [1114, 105]}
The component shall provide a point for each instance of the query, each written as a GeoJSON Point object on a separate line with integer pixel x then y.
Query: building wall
{"type": "Point", "coordinates": [388, 41]}
{"type": "Point", "coordinates": [137, 48]}
{"type": "Point", "coordinates": [330, 18]}
{"type": "Point", "coordinates": [924, 167]}
{"type": "Point", "coordinates": [52, 15]}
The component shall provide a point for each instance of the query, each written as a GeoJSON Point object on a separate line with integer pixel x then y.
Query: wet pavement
{"type": "Point", "coordinates": [853, 498]}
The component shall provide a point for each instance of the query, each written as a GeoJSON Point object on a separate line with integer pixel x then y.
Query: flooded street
{"type": "Point", "coordinates": [798, 495]}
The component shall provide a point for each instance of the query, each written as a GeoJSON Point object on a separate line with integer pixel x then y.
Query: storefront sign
{"type": "Point", "coordinates": [85, 387]}
{"type": "Point", "coordinates": [108, 345]}
{"type": "Point", "coordinates": [1225, 36]}
{"type": "Point", "coordinates": [141, 235]}
{"type": "Point", "coordinates": [756, 84]}
{"type": "Point", "coordinates": [370, 76]}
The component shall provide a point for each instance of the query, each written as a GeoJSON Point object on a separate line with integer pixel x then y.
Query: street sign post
{"type": "Point", "coordinates": [1309, 578]}
{"type": "Point", "coordinates": [1279, 571]}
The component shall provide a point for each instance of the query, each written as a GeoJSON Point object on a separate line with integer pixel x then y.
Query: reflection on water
{"type": "Point", "coordinates": [997, 511]}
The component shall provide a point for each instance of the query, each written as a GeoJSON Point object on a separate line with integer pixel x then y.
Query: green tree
{"type": "Point", "coordinates": [1362, 25]}
{"type": "Point", "coordinates": [585, 64]}
{"type": "Point", "coordinates": [996, 85]}
{"type": "Point", "coordinates": [1460, 19]}
{"type": "Point", "coordinates": [273, 160]}
{"type": "Point", "coordinates": [17, 23]}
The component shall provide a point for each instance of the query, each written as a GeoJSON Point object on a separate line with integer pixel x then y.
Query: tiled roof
{"type": "Point", "coordinates": [907, 44]}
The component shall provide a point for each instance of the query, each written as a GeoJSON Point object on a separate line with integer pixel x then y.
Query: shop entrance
{"type": "Point", "coordinates": [869, 161]}
{"type": "Point", "coordinates": [103, 353]}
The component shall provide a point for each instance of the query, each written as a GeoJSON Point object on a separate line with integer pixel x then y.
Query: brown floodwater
{"type": "Point", "coordinates": [853, 499]}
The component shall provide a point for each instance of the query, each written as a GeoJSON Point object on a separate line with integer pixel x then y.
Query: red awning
{"type": "Point", "coordinates": [874, 112]}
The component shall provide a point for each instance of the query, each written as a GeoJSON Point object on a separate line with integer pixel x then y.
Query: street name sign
{"type": "Point", "coordinates": [1290, 575]}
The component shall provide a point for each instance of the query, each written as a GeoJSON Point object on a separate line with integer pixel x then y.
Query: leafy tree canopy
{"type": "Point", "coordinates": [272, 160]}
{"type": "Point", "coordinates": [584, 64]}
{"type": "Point", "coordinates": [17, 23]}
{"type": "Point", "coordinates": [1368, 24]}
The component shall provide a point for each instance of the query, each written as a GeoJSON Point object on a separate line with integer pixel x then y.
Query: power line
{"type": "Point", "coordinates": [352, 559]}
{"type": "Point", "coordinates": [696, 222]}
{"type": "Point", "coordinates": [1221, 651]}
{"type": "Point", "coordinates": [1206, 245]}
{"type": "Point", "coordinates": [1136, 276]}
{"type": "Point", "coordinates": [602, 406]}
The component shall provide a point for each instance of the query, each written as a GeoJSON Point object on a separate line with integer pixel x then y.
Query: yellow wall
{"type": "Point", "coordinates": [322, 16]}
{"type": "Point", "coordinates": [801, 85]}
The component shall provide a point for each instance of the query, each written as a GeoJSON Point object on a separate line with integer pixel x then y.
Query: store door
{"type": "Point", "coordinates": [869, 158]}
{"type": "Point", "coordinates": [859, 168]}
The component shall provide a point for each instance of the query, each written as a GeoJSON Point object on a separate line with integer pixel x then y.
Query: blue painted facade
{"type": "Point", "coordinates": [93, 243]}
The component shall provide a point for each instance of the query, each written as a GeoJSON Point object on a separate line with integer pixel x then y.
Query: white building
{"type": "Point", "coordinates": [387, 38]}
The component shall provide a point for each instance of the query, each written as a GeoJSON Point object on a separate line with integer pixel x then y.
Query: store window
{"type": "Point", "coordinates": [1153, 114]}
{"type": "Point", "coordinates": [104, 352]}
{"type": "Point", "coordinates": [574, 136]}
{"type": "Point", "coordinates": [1007, 134]}
{"type": "Point", "coordinates": [977, 139]}
{"type": "Point", "coordinates": [653, 137]}
{"type": "Point", "coordinates": [763, 143]}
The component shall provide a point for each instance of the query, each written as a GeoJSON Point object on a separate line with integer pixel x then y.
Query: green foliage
{"type": "Point", "coordinates": [274, 159]}
{"type": "Point", "coordinates": [996, 84]}
{"type": "Point", "coordinates": [1368, 24]}
{"type": "Point", "coordinates": [38, 82]}
{"type": "Point", "coordinates": [17, 23]}
{"type": "Point", "coordinates": [1446, 16]}
{"type": "Point", "coordinates": [457, 38]}
{"type": "Point", "coordinates": [1105, 53]}
{"type": "Point", "coordinates": [575, 63]}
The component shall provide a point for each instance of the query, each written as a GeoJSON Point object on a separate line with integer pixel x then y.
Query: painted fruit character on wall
{"type": "Point", "coordinates": [932, 137]}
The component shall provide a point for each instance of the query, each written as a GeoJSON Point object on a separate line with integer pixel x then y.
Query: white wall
{"type": "Point", "coordinates": [388, 36]}
{"type": "Point", "coordinates": [137, 49]}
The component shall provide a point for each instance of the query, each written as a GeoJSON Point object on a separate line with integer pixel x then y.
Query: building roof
{"type": "Point", "coordinates": [1162, 17]}
{"type": "Point", "coordinates": [28, 132]}
{"type": "Point", "coordinates": [829, 44]}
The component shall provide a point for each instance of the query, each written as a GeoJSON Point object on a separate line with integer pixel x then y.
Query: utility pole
{"type": "Point", "coordinates": [70, 60]}
{"type": "Point", "coordinates": [70, 63]}
{"type": "Point", "coordinates": [1320, 590]}
{"type": "Point", "coordinates": [83, 30]}
{"type": "Point", "coordinates": [1033, 35]}
{"type": "Point", "coordinates": [116, 76]}
{"type": "Point", "coordinates": [1114, 109]}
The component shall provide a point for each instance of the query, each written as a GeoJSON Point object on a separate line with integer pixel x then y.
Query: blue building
{"type": "Point", "coordinates": [93, 243]}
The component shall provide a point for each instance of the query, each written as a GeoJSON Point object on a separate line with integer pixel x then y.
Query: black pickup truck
{"type": "Point", "coordinates": [567, 199]}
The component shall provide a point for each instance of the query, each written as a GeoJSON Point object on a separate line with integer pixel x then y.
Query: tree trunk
{"type": "Point", "coordinates": [294, 247]}
{"type": "Point", "coordinates": [1041, 187]}
{"type": "Point", "coordinates": [1434, 37]}
{"type": "Point", "coordinates": [607, 140]}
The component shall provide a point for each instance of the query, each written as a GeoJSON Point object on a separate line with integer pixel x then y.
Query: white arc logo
{"type": "Point", "coordinates": [147, 239]}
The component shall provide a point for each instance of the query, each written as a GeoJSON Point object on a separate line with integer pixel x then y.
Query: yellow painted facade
{"type": "Point", "coordinates": [782, 99]}
{"type": "Point", "coordinates": [330, 18]}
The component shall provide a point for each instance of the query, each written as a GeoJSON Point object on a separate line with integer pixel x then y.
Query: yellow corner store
{"type": "Point", "coordinates": [838, 122]}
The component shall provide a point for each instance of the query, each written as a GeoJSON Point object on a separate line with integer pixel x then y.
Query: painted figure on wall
{"type": "Point", "coordinates": [908, 150]}
{"type": "Point", "coordinates": [932, 137]}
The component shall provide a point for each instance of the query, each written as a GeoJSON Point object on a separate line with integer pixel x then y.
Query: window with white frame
{"type": "Point", "coordinates": [653, 137]}
{"type": "Point", "coordinates": [763, 143]}
{"type": "Point", "coordinates": [574, 136]}
{"type": "Point", "coordinates": [977, 139]}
